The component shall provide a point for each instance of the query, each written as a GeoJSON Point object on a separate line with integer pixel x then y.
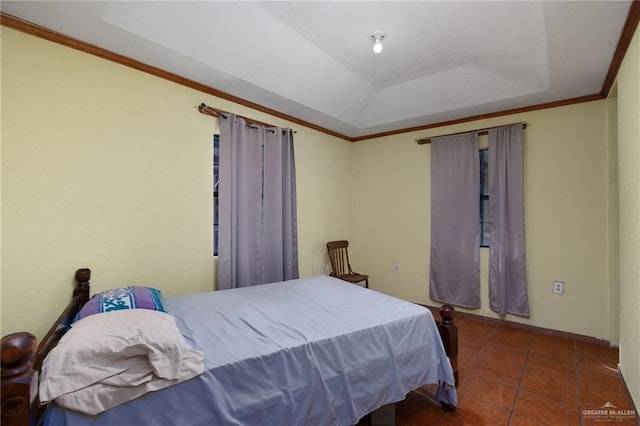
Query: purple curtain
{"type": "Point", "coordinates": [257, 237]}
{"type": "Point", "coordinates": [279, 231]}
{"type": "Point", "coordinates": [507, 261]}
{"type": "Point", "coordinates": [455, 228]}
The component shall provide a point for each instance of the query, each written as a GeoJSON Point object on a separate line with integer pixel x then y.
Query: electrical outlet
{"type": "Point", "coordinates": [324, 269]}
{"type": "Point", "coordinates": [558, 287]}
{"type": "Point", "coordinates": [396, 268]}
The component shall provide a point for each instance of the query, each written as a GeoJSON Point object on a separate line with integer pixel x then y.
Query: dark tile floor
{"type": "Point", "coordinates": [515, 376]}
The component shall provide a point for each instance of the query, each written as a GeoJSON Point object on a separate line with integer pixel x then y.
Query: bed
{"type": "Point", "coordinates": [310, 351]}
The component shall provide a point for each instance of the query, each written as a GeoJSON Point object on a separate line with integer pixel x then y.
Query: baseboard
{"type": "Point", "coordinates": [541, 330]}
{"type": "Point", "coordinates": [629, 396]}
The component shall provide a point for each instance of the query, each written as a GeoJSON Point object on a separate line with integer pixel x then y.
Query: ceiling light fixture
{"type": "Point", "coordinates": [377, 37]}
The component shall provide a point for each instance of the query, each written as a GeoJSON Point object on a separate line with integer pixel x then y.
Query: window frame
{"type": "Point", "coordinates": [216, 179]}
{"type": "Point", "coordinates": [484, 194]}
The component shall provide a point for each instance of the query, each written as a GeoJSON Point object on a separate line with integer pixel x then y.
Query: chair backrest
{"type": "Point", "coordinates": [339, 257]}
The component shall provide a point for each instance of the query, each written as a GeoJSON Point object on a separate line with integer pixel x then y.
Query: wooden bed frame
{"type": "Point", "coordinates": [22, 359]}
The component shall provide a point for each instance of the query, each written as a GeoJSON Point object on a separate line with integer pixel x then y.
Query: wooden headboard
{"type": "Point", "coordinates": [21, 360]}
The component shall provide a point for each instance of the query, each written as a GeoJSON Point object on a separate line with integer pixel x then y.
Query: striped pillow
{"type": "Point", "coordinates": [131, 297]}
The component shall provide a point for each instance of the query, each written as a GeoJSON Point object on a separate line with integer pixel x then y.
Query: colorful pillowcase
{"type": "Point", "coordinates": [131, 297]}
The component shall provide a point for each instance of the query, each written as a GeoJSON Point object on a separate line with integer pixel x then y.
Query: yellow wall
{"type": "Point", "coordinates": [628, 83]}
{"type": "Point", "coordinates": [0, 181]}
{"type": "Point", "coordinates": [614, 222]}
{"type": "Point", "coordinates": [567, 218]}
{"type": "Point", "coordinates": [110, 168]}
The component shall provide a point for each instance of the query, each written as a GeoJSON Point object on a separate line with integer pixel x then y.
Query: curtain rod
{"type": "Point", "coordinates": [207, 110]}
{"type": "Point", "coordinates": [484, 131]}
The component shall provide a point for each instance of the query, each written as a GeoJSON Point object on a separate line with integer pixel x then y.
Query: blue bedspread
{"type": "Point", "coordinates": [314, 351]}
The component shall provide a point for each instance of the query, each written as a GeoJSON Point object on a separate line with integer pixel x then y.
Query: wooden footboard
{"type": "Point", "coordinates": [21, 360]}
{"type": "Point", "coordinates": [449, 333]}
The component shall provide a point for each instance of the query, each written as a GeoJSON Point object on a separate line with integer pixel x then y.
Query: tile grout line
{"type": "Point", "coordinates": [578, 387]}
{"type": "Point", "coordinates": [515, 398]}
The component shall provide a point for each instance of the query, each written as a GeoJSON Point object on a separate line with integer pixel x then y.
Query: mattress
{"type": "Point", "coordinates": [313, 351]}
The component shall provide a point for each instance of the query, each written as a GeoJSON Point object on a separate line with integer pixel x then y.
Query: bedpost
{"type": "Point", "coordinates": [82, 278]}
{"type": "Point", "coordinates": [19, 379]}
{"type": "Point", "coordinates": [449, 333]}
{"type": "Point", "coordinates": [22, 359]}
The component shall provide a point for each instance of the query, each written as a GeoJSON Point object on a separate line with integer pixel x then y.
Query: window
{"type": "Point", "coordinates": [484, 198]}
{"type": "Point", "coordinates": [216, 175]}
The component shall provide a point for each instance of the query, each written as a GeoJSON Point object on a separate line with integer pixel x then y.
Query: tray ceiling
{"type": "Point", "coordinates": [313, 60]}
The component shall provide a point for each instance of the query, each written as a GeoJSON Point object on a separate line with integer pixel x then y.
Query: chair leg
{"type": "Point", "coordinates": [366, 283]}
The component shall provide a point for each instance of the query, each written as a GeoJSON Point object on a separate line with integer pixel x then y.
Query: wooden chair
{"type": "Point", "coordinates": [339, 256]}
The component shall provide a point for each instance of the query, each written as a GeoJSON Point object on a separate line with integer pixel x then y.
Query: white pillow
{"type": "Point", "coordinates": [110, 358]}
